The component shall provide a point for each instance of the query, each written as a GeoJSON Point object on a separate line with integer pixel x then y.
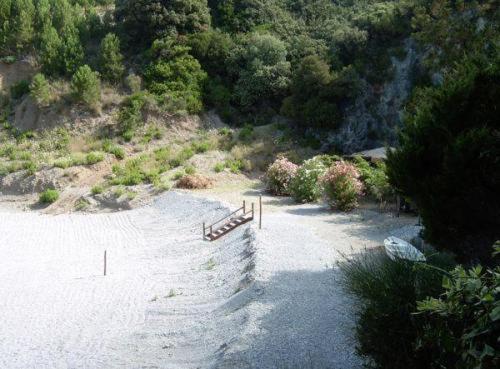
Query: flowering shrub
{"type": "Point", "coordinates": [279, 175]}
{"type": "Point", "coordinates": [342, 186]}
{"type": "Point", "coordinates": [306, 186]}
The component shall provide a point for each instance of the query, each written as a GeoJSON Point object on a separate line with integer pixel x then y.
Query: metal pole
{"type": "Point", "coordinates": [253, 211]}
{"type": "Point", "coordinates": [203, 230]}
{"type": "Point", "coordinates": [260, 212]}
{"type": "Point", "coordinates": [398, 205]}
{"type": "Point", "coordinates": [244, 207]}
{"type": "Point", "coordinates": [105, 262]}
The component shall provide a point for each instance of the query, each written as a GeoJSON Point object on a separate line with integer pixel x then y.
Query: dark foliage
{"type": "Point", "coordinates": [449, 161]}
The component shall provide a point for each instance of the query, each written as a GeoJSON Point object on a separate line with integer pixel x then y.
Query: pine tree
{"type": "Point", "coordinates": [40, 90]}
{"type": "Point", "coordinates": [5, 12]}
{"type": "Point", "coordinates": [111, 59]}
{"type": "Point", "coordinates": [71, 53]}
{"type": "Point", "coordinates": [23, 17]}
{"type": "Point", "coordinates": [50, 46]}
{"type": "Point", "coordinates": [86, 87]}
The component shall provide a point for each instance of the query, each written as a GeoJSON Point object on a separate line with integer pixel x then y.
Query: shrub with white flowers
{"type": "Point", "coordinates": [306, 186]}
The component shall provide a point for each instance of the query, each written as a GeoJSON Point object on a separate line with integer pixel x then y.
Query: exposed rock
{"type": "Point", "coordinates": [11, 74]}
{"type": "Point", "coordinates": [374, 117]}
{"type": "Point", "coordinates": [22, 183]}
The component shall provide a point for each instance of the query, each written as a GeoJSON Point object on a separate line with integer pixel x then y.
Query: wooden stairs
{"type": "Point", "coordinates": [228, 223]}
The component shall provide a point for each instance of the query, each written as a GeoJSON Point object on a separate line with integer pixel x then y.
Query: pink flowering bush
{"type": "Point", "coordinates": [279, 176]}
{"type": "Point", "coordinates": [342, 186]}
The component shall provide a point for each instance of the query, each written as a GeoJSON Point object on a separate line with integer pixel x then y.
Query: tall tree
{"type": "Point", "coordinates": [145, 20]}
{"type": "Point", "coordinates": [110, 58]}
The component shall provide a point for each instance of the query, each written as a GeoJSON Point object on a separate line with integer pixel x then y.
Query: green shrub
{"type": "Point", "coordinates": [49, 196]}
{"type": "Point", "coordinates": [463, 325]}
{"type": "Point", "coordinates": [190, 170]}
{"type": "Point", "coordinates": [40, 90]}
{"type": "Point", "coordinates": [448, 163]}
{"type": "Point", "coordinates": [115, 150]}
{"type": "Point", "coordinates": [30, 167]}
{"type": "Point", "coordinates": [94, 157]}
{"type": "Point", "coordinates": [130, 114]}
{"type": "Point", "coordinates": [111, 59]}
{"type": "Point", "coordinates": [386, 293]}
{"type": "Point", "coordinates": [97, 189]}
{"type": "Point", "coordinates": [235, 165]}
{"type": "Point", "coordinates": [86, 87]}
{"type": "Point", "coordinates": [306, 186]}
{"type": "Point", "coordinates": [202, 146]}
{"type": "Point", "coordinates": [375, 179]}
{"type": "Point", "coordinates": [246, 133]}
{"type": "Point", "coordinates": [219, 167]}
{"type": "Point", "coordinates": [153, 132]}
{"type": "Point", "coordinates": [133, 83]}
{"type": "Point", "coordinates": [181, 157]}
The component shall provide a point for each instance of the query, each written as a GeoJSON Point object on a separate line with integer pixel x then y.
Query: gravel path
{"type": "Point", "coordinates": [254, 299]}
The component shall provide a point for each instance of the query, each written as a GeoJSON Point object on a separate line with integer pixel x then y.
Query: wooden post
{"type": "Point", "coordinates": [398, 205]}
{"type": "Point", "coordinates": [260, 212]}
{"type": "Point", "coordinates": [105, 262]}
{"type": "Point", "coordinates": [253, 211]}
{"type": "Point", "coordinates": [211, 232]}
{"type": "Point", "coordinates": [244, 207]}
{"type": "Point", "coordinates": [203, 230]}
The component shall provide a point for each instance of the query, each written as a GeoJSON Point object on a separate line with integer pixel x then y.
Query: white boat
{"type": "Point", "coordinates": [397, 248]}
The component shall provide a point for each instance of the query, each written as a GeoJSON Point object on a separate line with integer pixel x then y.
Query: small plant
{"type": "Point", "coordinates": [235, 165]}
{"type": "Point", "coordinates": [133, 82]}
{"type": "Point", "coordinates": [81, 205]}
{"type": "Point", "coordinates": [219, 167]}
{"type": "Point", "coordinates": [246, 133]}
{"type": "Point", "coordinates": [190, 170]}
{"type": "Point", "coordinates": [49, 196]}
{"type": "Point", "coordinates": [178, 175]}
{"type": "Point", "coordinates": [201, 147]}
{"type": "Point", "coordinates": [30, 167]}
{"type": "Point", "coordinates": [342, 185]}
{"type": "Point", "coordinates": [153, 132]}
{"type": "Point", "coordinates": [210, 264]}
{"type": "Point", "coordinates": [279, 176]}
{"type": "Point", "coordinates": [97, 189]}
{"type": "Point", "coordinates": [171, 293]}
{"type": "Point", "coordinates": [115, 150]}
{"type": "Point", "coordinates": [94, 157]}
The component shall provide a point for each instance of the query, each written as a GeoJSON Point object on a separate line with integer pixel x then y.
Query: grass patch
{"type": "Point", "coordinates": [48, 196]}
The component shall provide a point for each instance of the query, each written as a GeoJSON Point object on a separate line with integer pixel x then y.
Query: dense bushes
{"type": "Point", "coordinates": [387, 292]}
{"type": "Point", "coordinates": [463, 325]}
{"type": "Point", "coordinates": [175, 76]}
{"type": "Point", "coordinates": [449, 159]}
{"type": "Point", "coordinates": [342, 186]}
{"type": "Point", "coordinates": [409, 316]}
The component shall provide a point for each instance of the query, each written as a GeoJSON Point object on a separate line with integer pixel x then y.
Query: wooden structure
{"type": "Point", "coordinates": [225, 225]}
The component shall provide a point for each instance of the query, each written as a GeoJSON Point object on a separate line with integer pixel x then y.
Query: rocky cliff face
{"type": "Point", "coordinates": [375, 116]}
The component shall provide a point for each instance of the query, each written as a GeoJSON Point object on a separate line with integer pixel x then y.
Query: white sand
{"type": "Point", "coordinates": [255, 299]}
